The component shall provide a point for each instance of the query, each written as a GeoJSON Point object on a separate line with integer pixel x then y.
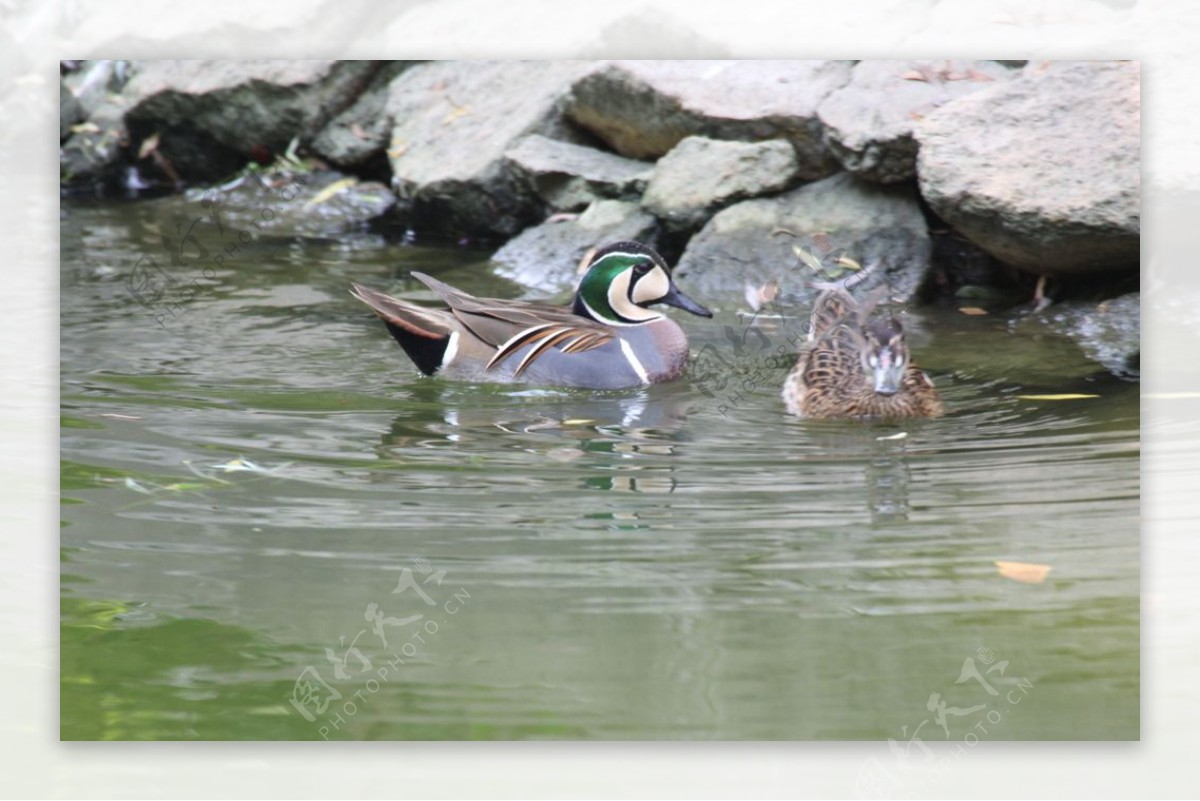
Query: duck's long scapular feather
{"type": "Point", "coordinates": [507, 325]}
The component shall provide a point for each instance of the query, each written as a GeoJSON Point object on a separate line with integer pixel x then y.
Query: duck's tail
{"type": "Point", "coordinates": [425, 334]}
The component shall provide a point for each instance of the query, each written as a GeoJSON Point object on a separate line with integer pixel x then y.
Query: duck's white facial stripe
{"type": "Point", "coordinates": [618, 298]}
{"type": "Point", "coordinates": [653, 286]}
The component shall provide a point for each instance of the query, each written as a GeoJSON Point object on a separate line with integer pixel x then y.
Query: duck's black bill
{"type": "Point", "coordinates": [681, 301]}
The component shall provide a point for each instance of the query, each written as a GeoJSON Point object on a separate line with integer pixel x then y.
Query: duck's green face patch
{"type": "Point", "coordinates": [623, 281]}
{"type": "Point", "coordinates": [619, 285]}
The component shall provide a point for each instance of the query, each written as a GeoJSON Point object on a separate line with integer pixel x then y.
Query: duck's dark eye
{"type": "Point", "coordinates": [642, 267]}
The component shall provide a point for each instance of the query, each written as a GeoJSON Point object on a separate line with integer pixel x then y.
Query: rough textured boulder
{"type": "Point", "coordinates": [547, 256]}
{"type": "Point", "coordinates": [94, 81]}
{"type": "Point", "coordinates": [1043, 172]}
{"type": "Point", "coordinates": [569, 177]}
{"type": "Point", "coordinates": [454, 121]}
{"type": "Point", "coordinates": [841, 216]}
{"type": "Point", "coordinates": [869, 121]}
{"type": "Point", "coordinates": [1108, 333]}
{"type": "Point", "coordinates": [700, 176]}
{"type": "Point", "coordinates": [208, 115]}
{"type": "Point", "coordinates": [278, 205]}
{"type": "Point", "coordinates": [642, 109]}
{"type": "Point", "coordinates": [70, 111]}
{"type": "Point", "coordinates": [362, 131]}
{"type": "Point", "coordinates": [95, 149]}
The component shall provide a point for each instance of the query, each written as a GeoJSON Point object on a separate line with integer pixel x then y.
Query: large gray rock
{"type": "Point", "coordinates": [642, 109]}
{"type": "Point", "coordinates": [94, 81]}
{"type": "Point", "coordinates": [95, 149]}
{"type": "Point", "coordinates": [1043, 172]}
{"type": "Point", "coordinates": [869, 121]}
{"type": "Point", "coordinates": [546, 257]}
{"type": "Point", "coordinates": [756, 240]}
{"type": "Point", "coordinates": [700, 176]}
{"type": "Point", "coordinates": [210, 114]}
{"type": "Point", "coordinates": [70, 111]}
{"type": "Point", "coordinates": [569, 177]}
{"type": "Point", "coordinates": [454, 121]}
{"type": "Point", "coordinates": [362, 131]}
{"type": "Point", "coordinates": [276, 205]}
{"type": "Point", "coordinates": [1108, 332]}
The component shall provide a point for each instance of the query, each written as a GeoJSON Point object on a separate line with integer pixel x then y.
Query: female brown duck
{"type": "Point", "coordinates": [857, 365]}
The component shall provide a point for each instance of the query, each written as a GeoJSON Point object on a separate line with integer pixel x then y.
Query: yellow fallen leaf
{"type": "Point", "coordinates": [974, 311]}
{"type": "Point", "coordinates": [1064, 396]}
{"type": "Point", "coordinates": [810, 260]}
{"type": "Point", "coordinates": [460, 111]}
{"type": "Point", "coordinates": [1024, 572]}
{"type": "Point", "coordinates": [149, 145]}
{"type": "Point", "coordinates": [578, 421]}
{"type": "Point", "coordinates": [330, 191]}
{"type": "Point", "coordinates": [85, 127]}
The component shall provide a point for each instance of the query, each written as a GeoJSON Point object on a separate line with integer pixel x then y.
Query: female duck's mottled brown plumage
{"type": "Point", "coordinates": [856, 366]}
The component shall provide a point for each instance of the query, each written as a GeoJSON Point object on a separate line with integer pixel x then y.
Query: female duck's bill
{"type": "Point", "coordinates": [857, 365]}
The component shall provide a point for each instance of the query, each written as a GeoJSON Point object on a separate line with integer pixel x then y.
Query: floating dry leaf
{"type": "Point", "coordinates": [757, 297]}
{"type": "Point", "coordinates": [974, 311]}
{"type": "Point", "coordinates": [1024, 572]}
{"type": "Point", "coordinates": [1062, 396]}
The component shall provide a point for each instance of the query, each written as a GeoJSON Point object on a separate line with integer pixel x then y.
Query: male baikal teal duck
{"type": "Point", "coordinates": [609, 338]}
{"type": "Point", "coordinates": [857, 365]}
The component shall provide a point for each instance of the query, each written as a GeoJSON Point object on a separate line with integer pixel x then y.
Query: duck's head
{"type": "Point", "coordinates": [884, 355]}
{"type": "Point", "coordinates": [621, 283]}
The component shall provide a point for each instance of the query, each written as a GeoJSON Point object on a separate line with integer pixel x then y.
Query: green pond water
{"type": "Point", "coordinates": [274, 528]}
